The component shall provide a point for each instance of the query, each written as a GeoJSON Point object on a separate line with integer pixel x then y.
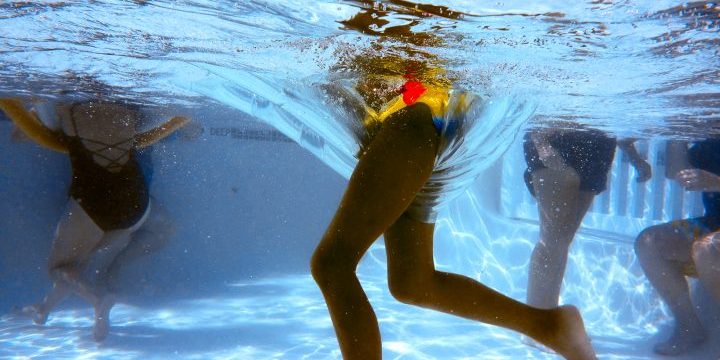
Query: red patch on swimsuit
{"type": "Point", "coordinates": [412, 90]}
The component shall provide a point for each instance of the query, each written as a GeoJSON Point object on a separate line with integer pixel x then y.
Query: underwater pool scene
{"type": "Point", "coordinates": [355, 179]}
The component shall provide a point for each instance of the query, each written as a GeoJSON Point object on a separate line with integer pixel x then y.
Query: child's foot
{"type": "Point", "coordinates": [683, 339]}
{"type": "Point", "coordinates": [102, 317]}
{"type": "Point", "coordinates": [36, 313]}
{"type": "Point", "coordinates": [566, 335]}
{"type": "Point", "coordinates": [532, 343]}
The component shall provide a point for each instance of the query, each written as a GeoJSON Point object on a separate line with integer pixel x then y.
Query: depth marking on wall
{"type": "Point", "coordinates": [244, 133]}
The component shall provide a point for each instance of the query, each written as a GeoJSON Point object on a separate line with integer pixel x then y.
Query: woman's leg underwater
{"type": "Point", "coordinates": [77, 246]}
{"type": "Point", "coordinates": [391, 171]}
{"type": "Point", "coordinates": [561, 206]}
{"type": "Point", "coordinates": [152, 236]}
{"type": "Point", "coordinates": [414, 280]}
{"type": "Point", "coordinates": [122, 246]}
{"type": "Point", "coordinates": [112, 244]}
{"type": "Point", "coordinates": [39, 312]}
{"type": "Point", "coordinates": [75, 237]}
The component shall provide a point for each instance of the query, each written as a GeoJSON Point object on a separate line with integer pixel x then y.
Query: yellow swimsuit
{"type": "Point", "coordinates": [435, 97]}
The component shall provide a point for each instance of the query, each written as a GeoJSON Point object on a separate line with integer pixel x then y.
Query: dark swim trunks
{"type": "Point", "coordinates": [705, 155]}
{"type": "Point", "coordinates": [590, 152]}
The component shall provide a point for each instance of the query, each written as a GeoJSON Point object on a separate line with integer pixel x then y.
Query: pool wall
{"type": "Point", "coordinates": [246, 202]}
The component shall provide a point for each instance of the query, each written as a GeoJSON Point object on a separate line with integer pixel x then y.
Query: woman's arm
{"type": "Point", "coordinates": [31, 126]}
{"type": "Point", "coordinates": [643, 169]}
{"type": "Point", "coordinates": [154, 135]}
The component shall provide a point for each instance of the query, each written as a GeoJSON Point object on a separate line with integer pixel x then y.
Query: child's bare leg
{"type": "Point", "coordinates": [562, 206]}
{"type": "Point", "coordinates": [395, 166]}
{"type": "Point", "coordinates": [706, 256]}
{"type": "Point", "coordinates": [663, 252]}
{"type": "Point", "coordinates": [414, 280]}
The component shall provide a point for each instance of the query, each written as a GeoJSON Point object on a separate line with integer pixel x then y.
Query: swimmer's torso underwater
{"type": "Point", "coordinates": [359, 180]}
{"type": "Point", "coordinates": [400, 69]}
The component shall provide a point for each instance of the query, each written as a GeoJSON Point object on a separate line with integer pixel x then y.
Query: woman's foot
{"type": "Point", "coordinates": [102, 317]}
{"type": "Point", "coordinates": [36, 312]}
{"type": "Point", "coordinates": [566, 334]}
{"type": "Point", "coordinates": [683, 339]}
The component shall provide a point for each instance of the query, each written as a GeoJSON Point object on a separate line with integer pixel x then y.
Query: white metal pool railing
{"type": "Point", "coordinates": [625, 208]}
{"type": "Point", "coordinates": [660, 199]}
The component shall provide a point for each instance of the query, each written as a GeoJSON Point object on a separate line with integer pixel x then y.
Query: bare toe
{"type": "Point", "coordinates": [36, 313]}
{"type": "Point", "coordinates": [532, 343]}
{"type": "Point", "coordinates": [682, 341]}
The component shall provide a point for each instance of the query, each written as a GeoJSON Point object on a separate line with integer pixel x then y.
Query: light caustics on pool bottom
{"type": "Point", "coordinates": [283, 318]}
{"type": "Point", "coordinates": [286, 318]}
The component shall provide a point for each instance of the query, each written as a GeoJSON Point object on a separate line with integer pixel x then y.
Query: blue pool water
{"type": "Point", "coordinates": [253, 192]}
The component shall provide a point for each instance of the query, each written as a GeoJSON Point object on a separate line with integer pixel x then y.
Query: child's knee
{"type": "Point", "coordinates": [645, 243]}
{"type": "Point", "coordinates": [707, 249]}
{"type": "Point", "coordinates": [326, 266]}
